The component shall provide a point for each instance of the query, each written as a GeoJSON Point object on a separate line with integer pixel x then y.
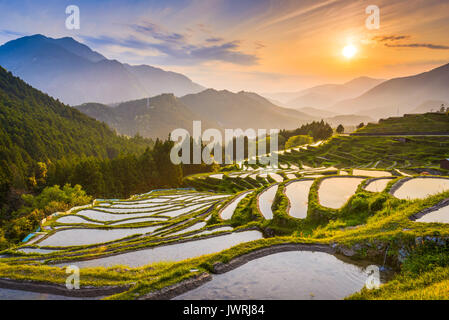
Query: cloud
{"type": "Point", "coordinates": [176, 50]}
{"type": "Point", "coordinates": [156, 32]}
{"type": "Point", "coordinates": [259, 45]}
{"type": "Point", "coordinates": [214, 40]}
{"type": "Point", "coordinates": [418, 45]}
{"type": "Point", "coordinates": [12, 33]}
{"type": "Point", "coordinates": [391, 42]}
{"type": "Point", "coordinates": [390, 38]}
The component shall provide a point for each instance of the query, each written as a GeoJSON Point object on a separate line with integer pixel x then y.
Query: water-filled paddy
{"type": "Point", "coordinates": [265, 201]}
{"type": "Point", "coordinates": [420, 188]}
{"type": "Point", "coordinates": [228, 211]}
{"type": "Point", "coordinates": [73, 219]}
{"type": "Point", "coordinates": [215, 230]}
{"type": "Point", "coordinates": [297, 193]}
{"type": "Point", "coordinates": [146, 219]}
{"type": "Point", "coordinates": [193, 227]}
{"type": "Point", "coordinates": [371, 173]}
{"type": "Point", "coordinates": [276, 177]}
{"type": "Point", "coordinates": [295, 275]}
{"type": "Point", "coordinates": [36, 250]}
{"type": "Point", "coordinates": [441, 216]}
{"type": "Point", "coordinates": [378, 185]}
{"type": "Point", "coordinates": [77, 237]}
{"type": "Point", "coordinates": [334, 192]}
{"type": "Point", "coordinates": [174, 252]}
{"type": "Point", "coordinates": [179, 212]}
{"type": "Point", "coordinates": [104, 216]}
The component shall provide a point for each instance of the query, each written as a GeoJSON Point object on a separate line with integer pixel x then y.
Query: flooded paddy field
{"type": "Point", "coordinates": [297, 193]}
{"type": "Point", "coordinates": [377, 185]}
{"type": "Point", "coordinates": [334, 192]}
{"type": "Point", "coordinates": [266, 200]}
{"type": "Point", "coordinates": [295, 275]}
{"type": "Point", "coordinates": [174, 252]}
{"type": "Point", "coordinates": [420, 188]}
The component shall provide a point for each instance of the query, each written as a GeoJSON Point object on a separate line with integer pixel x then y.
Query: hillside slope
{"type": "Point", "coordinates": [35, 127]}
{"type": "Point", "coordinates": [243, 110]}
{"type": "Point", "coordinates": [399, 95]}
{"type": "Point", "coordinates": [410, 124]}
{"type": "Point", "coordinates": [152, 118]}
{"type": "Point", "coordinates": [324, 96]}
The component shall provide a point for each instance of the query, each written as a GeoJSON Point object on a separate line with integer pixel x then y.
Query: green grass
{"type": "Point", "coordinates": [412, 123]}
{"type": "Point", "coordinates": [355, 151]}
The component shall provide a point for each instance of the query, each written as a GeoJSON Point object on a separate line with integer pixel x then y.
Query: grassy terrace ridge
{"type": "Point", "coordinates": [366, 151]}
{"type": "Point", "coordinates": [431, 123]}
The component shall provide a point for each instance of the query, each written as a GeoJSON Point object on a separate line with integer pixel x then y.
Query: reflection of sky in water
{"type": "Point", "coordinates": [294, 275]}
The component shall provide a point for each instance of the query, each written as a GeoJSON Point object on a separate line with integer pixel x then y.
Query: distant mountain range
{"type": "Point", "coordinates": [430, 106]}
{"type": "Point", "coordinates": [400, 95]}
{"type": "Point", "coordinates": [158, 116]}
{"type": "Point", "coordinates": [75, 74]}
{"type": "Point", "coordinates": [154, 117]}
{"type": "Point", "coordinates": [325, 96]}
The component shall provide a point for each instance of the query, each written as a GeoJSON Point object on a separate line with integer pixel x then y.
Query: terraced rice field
{"type": "Point", "coordinates": [438, 216]}
{"type": "Point", "coordinates": [371, 173]}
{"type": "Point", "coordinates": [175, 252]}
{"type": "Point", "coordinates": [297, 193]}
{"type": "Point", "coordinates": [228, 211]}
{"type": "Point", "coordinates": [276, 177]}
{"type": "Point", "coordinates": [174, 225]}
{"type": "Point", "coordinates": [420, 188]}
{"type": "Point", "coordinates": [335, 192]}
{"type": "Point", "coordinates": [377, 185]}
{"type": "Point", "coordinates": [109, 221]}
{"type": "Point", "coordinates": [266, 200]}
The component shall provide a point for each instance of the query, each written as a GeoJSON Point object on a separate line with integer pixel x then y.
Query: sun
{"type": "Point", "coordinates": [349, 51]}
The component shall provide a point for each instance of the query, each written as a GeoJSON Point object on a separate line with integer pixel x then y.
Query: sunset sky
{"type": "Point", "coordinates": [257, 45]}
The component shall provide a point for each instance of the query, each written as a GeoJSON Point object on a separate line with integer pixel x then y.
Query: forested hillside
{"type": "Point", "coordinates": [35, 127]}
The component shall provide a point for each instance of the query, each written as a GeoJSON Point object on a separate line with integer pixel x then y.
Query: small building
{"type": "Point", "coordinates": [444, 164]}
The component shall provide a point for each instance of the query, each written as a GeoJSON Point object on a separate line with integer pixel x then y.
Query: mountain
{"type": "Point", "coordinates": [318, 113]}
{"type": "Point", "coordinates": [243, 110]}
{"type": "Point", "coordinates": [399, 95]}
{"type": "Point", "coordinates": [75, 74]}
{"type": "Point", "coordinates": [154, 117]}
{"type": "Point", "coordinates": [158, 116]}
{"type": "Point", "coordinates": [429, 106]}
{"type": "Point", "coordinates": [326, 95]}
{"type": "Point", "coordinates": [35, 127]}
{"type": "Point", "coordinates": [348, 120]}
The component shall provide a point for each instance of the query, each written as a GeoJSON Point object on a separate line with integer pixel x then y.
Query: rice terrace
{"type": "Point", "coordinates": [317, 168]}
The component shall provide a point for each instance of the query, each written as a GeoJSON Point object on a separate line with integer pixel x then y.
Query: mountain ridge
{"type": "Point", "coordinates": [401, 94]}
{"type": "Point", "coordinates": [73, 73]}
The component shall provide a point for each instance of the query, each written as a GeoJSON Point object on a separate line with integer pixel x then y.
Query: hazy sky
{"type": "Point", "coordinates": [257, 45]}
